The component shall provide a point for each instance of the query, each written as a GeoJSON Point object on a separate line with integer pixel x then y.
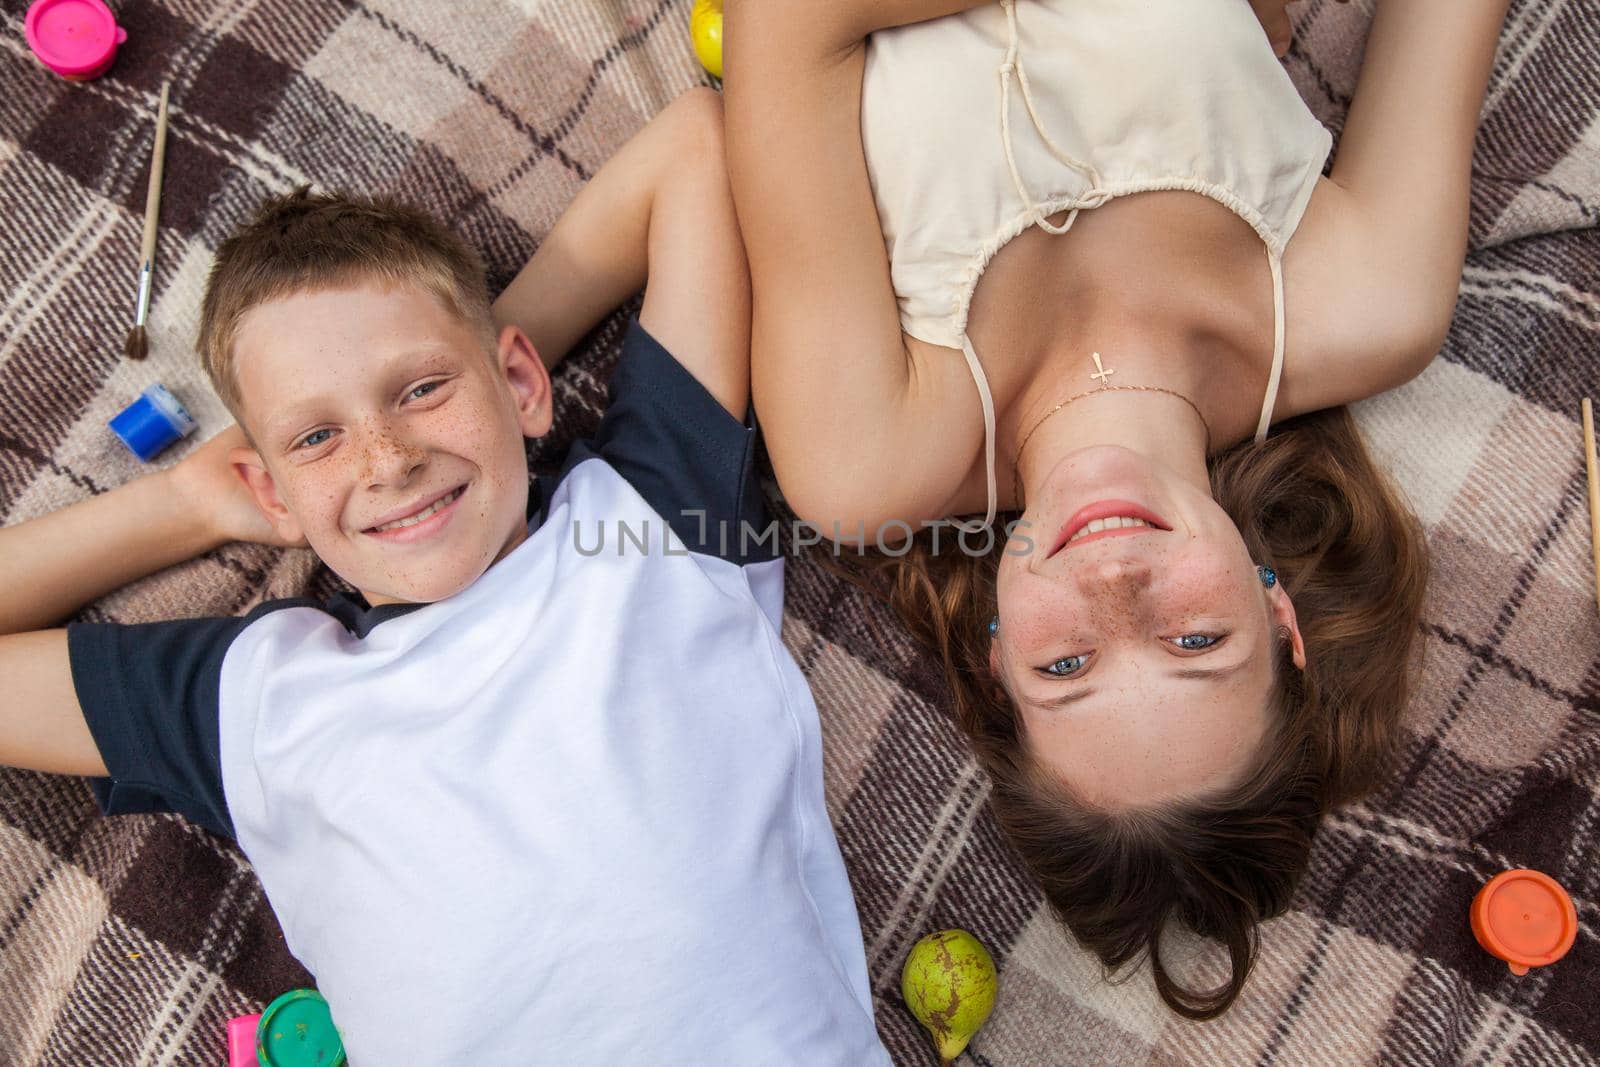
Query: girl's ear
{"type": "Point", "coordinates": [1283, 617]}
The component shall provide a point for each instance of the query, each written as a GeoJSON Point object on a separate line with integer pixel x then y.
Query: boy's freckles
{"type": "Point", "coordinates": [352, 362]}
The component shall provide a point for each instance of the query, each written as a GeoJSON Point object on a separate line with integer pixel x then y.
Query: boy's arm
{"type": "Point", "coordinates": [42, 726]}
{"type": "Point", "coordinates": [53, 565]}
{"type": "Point", "coordinates": [49, 568]}
{"type": "Point", "coordinates": [658, 211]}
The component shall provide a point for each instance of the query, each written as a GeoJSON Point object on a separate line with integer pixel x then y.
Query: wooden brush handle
{"type": "Point", "coordinates": [1593, 463]}
{"type": "Point", "coordinates": [152, 196]}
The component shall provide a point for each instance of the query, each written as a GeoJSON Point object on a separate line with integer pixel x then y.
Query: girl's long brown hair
{"type": "Point", "coordinates": [1309, 503]}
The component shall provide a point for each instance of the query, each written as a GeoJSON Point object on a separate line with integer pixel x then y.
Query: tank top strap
{"type": "Point", "coordinates": [987, 400]}
{"type": "Point", "coordinates": [1275, 378]}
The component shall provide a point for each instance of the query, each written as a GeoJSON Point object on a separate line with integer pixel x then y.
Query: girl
{"type": "Point", "coordinates": [964, 218]}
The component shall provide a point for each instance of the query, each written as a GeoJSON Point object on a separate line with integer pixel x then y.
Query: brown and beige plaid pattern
{"type": "Point", "coordinates": [130, 941]}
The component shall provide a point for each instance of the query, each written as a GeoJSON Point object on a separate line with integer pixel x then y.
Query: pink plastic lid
{"type": "Point", "coordinates": [73, 37]}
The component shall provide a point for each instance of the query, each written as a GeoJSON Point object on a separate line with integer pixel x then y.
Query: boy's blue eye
{"type": "Point", "coordinates": [1195, 642]}
{"type": "Point", "coordinates": [429, 386]}
{"type": "Point", "coordinates": [1067, 667]}
{"type": "Point", "coordinates": [314, 438]}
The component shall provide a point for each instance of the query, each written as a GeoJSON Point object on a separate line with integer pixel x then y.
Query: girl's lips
{"type": "Point", "coordinates": [1105, 509]}
{"type": "Point", "coordinates": [427, 527]}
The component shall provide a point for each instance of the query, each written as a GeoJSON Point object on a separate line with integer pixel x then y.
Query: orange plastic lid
{"type": "Point", "coordinates": [1525, 918]}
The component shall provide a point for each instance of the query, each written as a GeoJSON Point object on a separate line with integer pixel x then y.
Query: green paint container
{"type": "Point", "coordinates": [297, 1030]}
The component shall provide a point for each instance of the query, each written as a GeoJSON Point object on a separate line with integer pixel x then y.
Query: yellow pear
{"type": "Point", "coordinates": [705, 30]}
{"type": "Point", "coordinates": [949, 984]}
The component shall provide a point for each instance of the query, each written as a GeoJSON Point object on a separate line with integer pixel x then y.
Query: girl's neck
{"type": "Point", "coordinates": [1155, 424]}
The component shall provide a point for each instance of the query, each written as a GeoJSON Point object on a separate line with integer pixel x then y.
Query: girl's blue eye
{"type": "Point", "coordinates": [430, 386]}
{"type": "Point", "coordinates": [310, 440]}
{"type": "Point", "coordinates": [1195, 642]}
{"type": "Point", "coordinates": [1066, 668]}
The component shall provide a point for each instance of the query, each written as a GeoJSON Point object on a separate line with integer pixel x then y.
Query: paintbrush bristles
{"type": "Point", "coordinates": [137, 345]}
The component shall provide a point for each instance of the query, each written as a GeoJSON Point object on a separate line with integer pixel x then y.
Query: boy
{"type": "Point", "coordinates": [524, 800]}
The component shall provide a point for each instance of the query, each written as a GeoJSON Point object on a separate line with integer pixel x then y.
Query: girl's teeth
{"type": "Point", "coordinates": [437, 505]}
{"type": "Point", "coordinates": [1115, 522]}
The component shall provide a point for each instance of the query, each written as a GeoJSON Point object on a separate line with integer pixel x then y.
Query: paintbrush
{"type": "Point", "coordinates": [138, 345]}
{"type": "Point", "coordinates": [1593, 463]}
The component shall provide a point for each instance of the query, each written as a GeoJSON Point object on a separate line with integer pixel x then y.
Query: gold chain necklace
{"type": "Point", "coordinates": [1102, 374]}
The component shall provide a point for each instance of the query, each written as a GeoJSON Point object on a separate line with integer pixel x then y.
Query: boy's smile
{"type": "Point", "coordinates": [414, 524]}
{"type": "Point", "coordinates": [388, 436]}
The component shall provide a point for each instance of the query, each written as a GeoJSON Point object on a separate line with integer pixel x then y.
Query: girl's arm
{"type": "Point", "coordinates": [1384, 239]}
{"type": "Point", "coordinates": [841, 401]}
{"type": "Point", "coordinates": [839, 24]}
{"type": "Point", "coordinates": [1406, 152]}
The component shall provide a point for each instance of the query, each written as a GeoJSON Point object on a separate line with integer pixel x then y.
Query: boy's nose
{"type": "Point", "coordinates": [390, 459]}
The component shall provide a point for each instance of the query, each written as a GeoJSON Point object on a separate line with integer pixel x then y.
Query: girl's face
{"type": "Point", "coordinates": [1140, 657]}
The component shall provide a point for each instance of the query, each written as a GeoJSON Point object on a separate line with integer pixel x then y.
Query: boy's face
{"type": "Point", "coordinates": [369, 406]}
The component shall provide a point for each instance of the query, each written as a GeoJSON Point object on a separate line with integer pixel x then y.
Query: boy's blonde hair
{"type": "Point", "coordinates": [304, 241]}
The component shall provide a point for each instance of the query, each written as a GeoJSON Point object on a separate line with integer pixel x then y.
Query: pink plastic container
{"type": "Point", "coordinates": [242, 1040]}
{"type": "Point", "coordinates": [75, 38]}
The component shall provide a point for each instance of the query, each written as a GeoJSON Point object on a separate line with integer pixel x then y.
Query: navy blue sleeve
{"type": "Point", "coordinates": [682, 451]}
{"type": "Point", "coordinates": [150, 694]}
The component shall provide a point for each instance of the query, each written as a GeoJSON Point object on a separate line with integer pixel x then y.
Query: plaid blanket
{"type": "Point", "coordinates": [131, 941]}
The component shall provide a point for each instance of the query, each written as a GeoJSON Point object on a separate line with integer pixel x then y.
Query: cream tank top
{"type": "Point", "coordinates": [978, 125]}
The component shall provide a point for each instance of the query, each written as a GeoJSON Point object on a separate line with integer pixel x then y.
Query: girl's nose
{"type": "Point", "coordinates": [1112, 575]}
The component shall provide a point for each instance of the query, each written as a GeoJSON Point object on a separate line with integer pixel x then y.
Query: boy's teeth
{"type": "Point", "coordinates": [442, 502]}
{"type": "Point", "coordinates": [1115, 522]}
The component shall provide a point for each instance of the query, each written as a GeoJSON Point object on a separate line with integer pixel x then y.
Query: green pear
{"type": "Point", "coordinates": [949, 984]}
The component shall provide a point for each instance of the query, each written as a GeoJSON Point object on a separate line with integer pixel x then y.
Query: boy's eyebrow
{"type": "Point", "coordinates": [293, 412]}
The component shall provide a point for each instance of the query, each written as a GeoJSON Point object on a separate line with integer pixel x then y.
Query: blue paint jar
{"type": "Point", "coordinates": [152, 422]}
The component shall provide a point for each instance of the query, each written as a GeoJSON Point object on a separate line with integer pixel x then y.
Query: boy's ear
{"type": "Point", "coordinates": [252, 470]}
{"type": "Point", "coordinates": [529, 380]}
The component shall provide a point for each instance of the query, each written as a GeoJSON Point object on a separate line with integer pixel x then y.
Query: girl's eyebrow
{"type": "Point", "coordinates": [1063, 701]}
{"type": "Point", "coordinates": [1214, 672]}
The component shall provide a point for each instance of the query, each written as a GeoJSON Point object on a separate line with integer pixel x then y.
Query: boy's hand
{"type": "Point", "coordinates": [209, 484]}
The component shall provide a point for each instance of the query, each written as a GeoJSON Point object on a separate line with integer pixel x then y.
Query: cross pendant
{"type": "Point", "coordinates": [1102, 373]}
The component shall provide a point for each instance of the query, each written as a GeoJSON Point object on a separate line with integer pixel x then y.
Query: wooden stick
{"type": "Point", "coordinates": [137, 346]}
{"type": "Point", "coordinates": [1594, 491]}
{"type": "Point", "coordinates": [152, 196]}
